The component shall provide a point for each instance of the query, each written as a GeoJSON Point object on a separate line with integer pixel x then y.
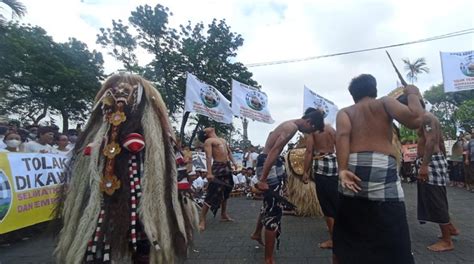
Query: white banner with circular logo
{"type": "Point", "coordinates": [458, 71]}
{"type": "Point", "coordinates": [314, 100]}
{"type": "Point", "coordinates": [249, 102]}
{"type": "Point", "coordinates": [206, 100]}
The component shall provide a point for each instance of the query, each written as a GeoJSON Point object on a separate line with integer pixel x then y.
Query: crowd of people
{"type": "Point", "coordinates": [355, 168]}
{"type": "Point", "coordinates": [36, 138]}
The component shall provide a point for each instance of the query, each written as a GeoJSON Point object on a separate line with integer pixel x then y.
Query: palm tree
{"type": "Point", "coordinates": [17, 8]}
{"type": "Point", "coordinates": [415, 68]}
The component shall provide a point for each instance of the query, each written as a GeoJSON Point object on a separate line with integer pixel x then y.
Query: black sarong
{"type": "Point", "coordinates": [328, 196]}
{"type": "Point", "coordinates": [371, 232]}
{"type": "Point", "coordinates": [216, 193]}
{"type": "Point", "coordinates": [432, 204]}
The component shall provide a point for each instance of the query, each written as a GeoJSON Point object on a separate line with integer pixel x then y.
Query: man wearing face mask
{"type": "Point", "coordinates": [12, 141]}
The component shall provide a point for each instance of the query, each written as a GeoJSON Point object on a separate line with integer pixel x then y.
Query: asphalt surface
{"type": "Point", "coordinates": [229, 242]}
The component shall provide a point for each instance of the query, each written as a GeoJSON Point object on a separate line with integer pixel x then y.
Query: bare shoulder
{"type": "Point", "coordinates": [285, 126]}
{"type": "Point", "coordinates": [211, 141]}
{"type": "Point", "coordinates": [329, 128]}
{"type": "Point", "coordinates": [344, 111]}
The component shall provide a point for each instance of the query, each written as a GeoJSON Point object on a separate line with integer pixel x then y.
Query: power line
{"type": "Point", "coordinates": [448, 35]}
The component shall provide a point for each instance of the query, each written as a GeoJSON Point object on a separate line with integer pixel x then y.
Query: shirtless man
{"type": "Point", "coordinates": [218, 151]}
{"type": "Point", "coordinates": [270, 172]}
{"type": "Point", "coordinates": [432, 175]}
{"type": "Point", "coordinates": [322, 147]}
{"type": "Point", "coordinates": [370, 224]}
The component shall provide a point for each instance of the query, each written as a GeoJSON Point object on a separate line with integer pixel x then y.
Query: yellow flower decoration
{"type": "Point", "coordinates": [109, 184]}
{"type": "Point", "coordinates": [111, 150]}
{"type": "Point", "coordinates": [117, 118]}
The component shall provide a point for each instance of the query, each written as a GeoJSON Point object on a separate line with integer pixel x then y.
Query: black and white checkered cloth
{"type": "Point", "coordinates": [326, 165]}
{"type": "Point", "coordinates": [5, 190]}
{"type": "Point", "coordinates": [379, 177]}
{"type": "Point", "coordinates": [277, 172]}
{"type": "Point", "coordinates": [437, 169]}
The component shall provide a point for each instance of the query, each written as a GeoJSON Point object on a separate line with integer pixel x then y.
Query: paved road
{"type": "Point", "coordinates": [230, 243]}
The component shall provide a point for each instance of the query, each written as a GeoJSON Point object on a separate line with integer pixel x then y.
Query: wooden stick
{"type": "Point", "coordinates": [396, 70]}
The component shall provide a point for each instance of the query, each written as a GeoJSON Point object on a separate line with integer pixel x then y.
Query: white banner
{"type": "Point", "coordinates": [312, 99]}
{"type": "Point", "coordinates": [249, 102]}
{"type": "Point", "coordinates": [33, 170]}
{"type": "Point", "coordinates": [458, 71]}
{"type": "Point", "coordinates": [206, 100]}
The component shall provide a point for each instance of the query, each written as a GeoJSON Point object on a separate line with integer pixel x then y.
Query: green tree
{"type": "Point", "coordinates": [207, 52]}
{"type": "Point", "coordinates": [415, 68]}
{"type": "Point", "coordinates": [17, 9]}
{"type": "Point", "coordinates": [445, 107]}
{"type": "Point", "coordinates": [209, 55]}
{"type": "Point", "coordinates": [40, 76]}
{"type": "Point", "coordinates": [465, 115]}
{"type": "Point", "coordinates": [407, 135]}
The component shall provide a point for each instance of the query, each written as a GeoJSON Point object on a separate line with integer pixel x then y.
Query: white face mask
{"type": "Point", "coordinates": [13, 143]}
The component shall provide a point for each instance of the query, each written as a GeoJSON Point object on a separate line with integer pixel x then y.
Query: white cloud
{"type": "Point", "coordinates": [276, 30]}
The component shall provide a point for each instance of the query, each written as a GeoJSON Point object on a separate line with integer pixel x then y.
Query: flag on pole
{"type": "Point", "coordinates": [206, 100]}
{"type": "Point", "coordinates": [249, 102]}
{"type": "Point", "coordinates": [458, 71]}
{"type": "Point", "coordinates": [312, 99]}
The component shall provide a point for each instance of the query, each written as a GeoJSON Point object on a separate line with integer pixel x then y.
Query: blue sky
{"type": "Point", "coordinates": [284, 29]}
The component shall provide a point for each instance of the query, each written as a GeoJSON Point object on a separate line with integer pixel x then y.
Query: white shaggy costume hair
{"type": "Point", "coordinates": [159, 209]}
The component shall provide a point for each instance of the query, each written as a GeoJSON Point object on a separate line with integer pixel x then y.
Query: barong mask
{"type": "Point", "coordinates": [122, 199]}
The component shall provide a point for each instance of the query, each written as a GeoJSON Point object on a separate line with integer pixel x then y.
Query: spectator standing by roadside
{"type": "Point", "coordinates": [12, 141]}
{"type": "Point", "coordinates": [43, 144]}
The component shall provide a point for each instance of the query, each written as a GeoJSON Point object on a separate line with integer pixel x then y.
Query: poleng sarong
{"type": "Point", "coordinates": [272, 211]}
{"type": "Point", "coordinates": [432, 197]}
{"type": "Point", "coordinates": [371, 226]}
{"type": "Point", "coordinates": [216, 192]}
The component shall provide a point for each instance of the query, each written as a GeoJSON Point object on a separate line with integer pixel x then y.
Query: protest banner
{"type": "Point", "coordinates": [29, 183]}
{"type": "Point", "coordinates": [409, 152]}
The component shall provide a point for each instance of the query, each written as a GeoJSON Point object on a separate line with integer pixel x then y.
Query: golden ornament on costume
{"type": "Point", "coordinates": [109, 184]}
{"type": "Point", "coordinates": [296, 160]}
{"type": "Point", "coordinates": [108, 100]}
{"type": "Point", "coordinates": [117, 118]}
{"type": "Point", "coordinates": [395, 93]}
{"type": "Point", "coordinates": [111, 150]}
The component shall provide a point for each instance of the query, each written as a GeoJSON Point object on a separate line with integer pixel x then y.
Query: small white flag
{"type": "Point", "coordinates": [206, 100]}
{"type": "Point", "coordinates": [249, 102]}
{"type": "Point", "coordinates": [312, 99]}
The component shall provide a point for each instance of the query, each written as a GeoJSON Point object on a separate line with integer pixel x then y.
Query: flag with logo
{"type": "Point", "coordinates": [206, 100]}
{"type": "Point", "coordinates": [312, 99]}
{"type": "Point", "coordinates": [249, 102]}
{"type": "Point", "coordinates": [458, 71]}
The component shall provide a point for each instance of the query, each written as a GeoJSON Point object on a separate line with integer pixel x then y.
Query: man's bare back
{"type": "Point", "coordinates": [371, 127]}
{"type": "Point", "coordinates": [324, 142]}
{"type": "Point", "coordinates": [280, 136]}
